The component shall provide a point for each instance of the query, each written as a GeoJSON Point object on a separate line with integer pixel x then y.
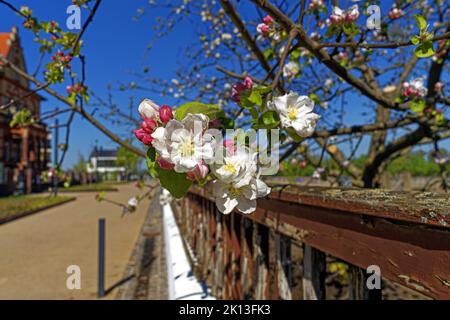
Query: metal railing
{"type": "Point", "coordinates": [286, 248]}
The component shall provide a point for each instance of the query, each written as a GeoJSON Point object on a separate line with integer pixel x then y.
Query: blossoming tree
{"type": "Point", "coordinates": [287, 65]}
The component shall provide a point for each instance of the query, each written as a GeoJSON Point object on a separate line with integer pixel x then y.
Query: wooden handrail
{"type": "Point", "coordinates": [406, 235]}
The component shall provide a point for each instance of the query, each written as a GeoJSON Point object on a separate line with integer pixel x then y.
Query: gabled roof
{"type": "Point", "coordinates": [5, 43]}
{"type": "Point", "coordinates": [100, 152]}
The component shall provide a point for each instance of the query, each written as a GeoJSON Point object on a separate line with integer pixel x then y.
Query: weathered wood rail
{"type": "Point", "coordinates": [282, 250]}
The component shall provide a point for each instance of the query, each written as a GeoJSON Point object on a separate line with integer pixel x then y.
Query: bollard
{"type": "Point", "coordinates": [101, 258]}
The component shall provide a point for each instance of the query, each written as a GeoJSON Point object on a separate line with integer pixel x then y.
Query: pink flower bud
{"type": "Point", "coordinates": [438, 86]}
{"type": "Point", "coordinates": [262, 28]}
{"type": "Point", "coordinates": [265, 29]}
{"type": "Point", "coordinates": [199, 172]}
{"type": "Point", "coordinates": [143, 136]}
{"type": "Point", "coordinates": [215, 123]}
{"type": "Point", "coordinates": [148, 109]}
{"type": "Point", "coordinates": [268, 20]}
{"type": "Point", "coordinates": [241, 87]}
{"type": "Point", "coordinates": [248, 83]}
{"type": "Point", "coordinates": [164, 164]}
{"type": "Point", "coordinates": [149, 125]}
{"type": "Point", "coordinates": [229, 146]}
{"type": "Point", "coordinates": [165, 114]}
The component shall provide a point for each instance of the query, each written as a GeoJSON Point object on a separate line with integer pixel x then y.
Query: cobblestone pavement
{"type": "Point", "coordinates": [35, 251]}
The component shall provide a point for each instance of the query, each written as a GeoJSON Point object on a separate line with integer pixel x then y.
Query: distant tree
{"type": "Point", "coordinates": [128, 159]}
{"type": "Point", "coordinates": [80, 166]}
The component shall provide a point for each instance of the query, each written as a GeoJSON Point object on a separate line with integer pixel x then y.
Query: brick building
{"type": "Point", "coordinates": [24, 152]}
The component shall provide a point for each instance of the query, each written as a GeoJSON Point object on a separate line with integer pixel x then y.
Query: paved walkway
{"type": "Point", "coordinates": [35, 251]}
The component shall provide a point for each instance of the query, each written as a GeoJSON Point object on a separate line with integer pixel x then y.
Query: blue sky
{"type": "Point", "coordinates": [114, 44]}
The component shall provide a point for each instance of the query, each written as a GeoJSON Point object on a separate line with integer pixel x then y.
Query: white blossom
{"type": "Point", "coordinates": [242, 197]}
{"type": "Point", "coordinates": [295, 112]}
{"type": "Point", "coordinates": [291, 69]}
{"type": "Point", "coordinates": [182, 143]}
{"type": "Point", "coordinates": [235, 166]}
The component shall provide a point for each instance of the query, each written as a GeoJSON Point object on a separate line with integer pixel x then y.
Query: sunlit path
{"type": "Point", "coordinates": [35, 251]}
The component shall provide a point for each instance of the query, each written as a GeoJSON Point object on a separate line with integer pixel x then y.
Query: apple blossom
{"type": "Point", "coordinates": [182, 143]}
{"type": "Point", "coordinates": [414, 89]}
{"type": "Point", "coordinates": [316, 5]}
{"type": "Point", "coordinates": [242, 197]}
{"type": "Point", "coordinates": [295, 112]}
{"type": "Point", "coordinates": [291, 69]}
{"type": "Point", "coordinates": [340, 16]}
{"type": "Point", "coordinates": [235, 165]}
{"type": "Point", "coordinates": [133, 203]}
{"type": "Point", "coordinates": [395, 12]}
{"type": "Point", "coordinates": [148, 109]}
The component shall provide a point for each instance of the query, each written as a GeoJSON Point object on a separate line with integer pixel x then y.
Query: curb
{"type": "Point", "coordinates": [88, 191]}
{"type": "Point", "coordinates": [146, 268]}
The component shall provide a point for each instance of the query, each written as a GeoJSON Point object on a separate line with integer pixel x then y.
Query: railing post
{"type": "Point", "coordinates": [247, 266]}
{"type": "Point", "coordinates": [236, 254]}
{"type": "Point", "coordinates": [260, 254]}
{"type": "Point", "coordinates": [314, 267]}
{"type": "Point", "coordinates": [284, 270]}
{"type": "Point", "coordinates": [219, 271]}
{"type": "Point", "coordinates": [274, 243]}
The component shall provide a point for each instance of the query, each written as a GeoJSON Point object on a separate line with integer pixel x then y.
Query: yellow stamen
{"type": "Point", "coordinates": [292, 113]}
{"type": "Point", "coordinates": [235, 192]}
{"type": "Point", "coordinates": [231, 168]}
{"type": "Point", "coordinates": [187, 148]}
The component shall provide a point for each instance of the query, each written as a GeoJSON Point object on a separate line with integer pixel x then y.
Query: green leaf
{"type": "Point", "coordinates": [314, 97]}
{"type": "Point", "coordinates": [332, 30]}
{"type": "Point", "coordinates": [440, 119]}
{"type": "Point", "coordinates": [421, 22]}
{"type": "Point", "coordinates": [291, 132]}
{"type": "Point", "coordinates": [350, 29]}
{"type": "Point", "coordinates": [415, 40]}
{"type": "Point", "coordinates": [22, 118]}
{"type": "Point", "coordinates": [151, 161]}
{"type": "Point", "coordinates": [227, 123]}
{"type": "Point", "coordinates": [269, 120]}
{"type": "Point", "coordinates": [176, 183]}
{"type": "Point", "coordinates": [255, 97]}
{"type": "Point", "coordinates": [247, 104]}
{"type": "Point", "coordinates": [417, 105]}
{"type": "Point", "coordinates": [268, 53]}
{"type": "Point", "coordinates": [72, 98]}
{"type": "Point", "coordinates": [211, 110]}
{"type": "Point", "coordinates": [425, 50]}
{"type": "Point", "coordinates": [295, 55]}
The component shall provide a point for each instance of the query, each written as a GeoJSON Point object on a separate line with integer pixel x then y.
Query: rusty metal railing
{"type": "Point", "coordinates": [285, 249]}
